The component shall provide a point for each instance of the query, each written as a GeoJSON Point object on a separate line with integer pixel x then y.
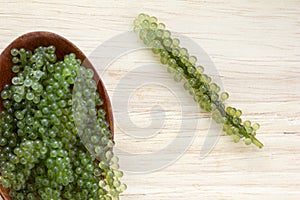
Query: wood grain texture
{"type": "Point", "coordinates": [255, 46]}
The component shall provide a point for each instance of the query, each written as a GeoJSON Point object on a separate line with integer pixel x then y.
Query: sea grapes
{"type": "Point", "coordinates": [55, 142]}
{"type": "Point", "coordinates": [183, 67]}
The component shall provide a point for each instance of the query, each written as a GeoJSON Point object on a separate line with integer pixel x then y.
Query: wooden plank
{"type": "Point", "coordinates": [255, 46]}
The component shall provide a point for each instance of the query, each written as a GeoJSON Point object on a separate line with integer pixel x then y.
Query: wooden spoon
{"type": "Point", "coordinates": [33, 40]}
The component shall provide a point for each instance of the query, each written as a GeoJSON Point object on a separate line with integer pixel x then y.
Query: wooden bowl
{"type": "Point", "coordinates": [33, 40]}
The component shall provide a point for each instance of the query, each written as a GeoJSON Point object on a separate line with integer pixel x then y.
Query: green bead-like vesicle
{"type": "Point", "coordinates": [42, 153]}
{"type": "Point", "coordinates": [205, 92]}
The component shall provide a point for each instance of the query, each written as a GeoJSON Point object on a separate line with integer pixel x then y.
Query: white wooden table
{"type": "Point", "coordinates": [255, 46]}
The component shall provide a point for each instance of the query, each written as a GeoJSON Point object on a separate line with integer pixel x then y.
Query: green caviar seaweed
{"type": "Point", "coordinates": [183, 67]}
{"type": "Point", "coordinates": [55, 142]}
